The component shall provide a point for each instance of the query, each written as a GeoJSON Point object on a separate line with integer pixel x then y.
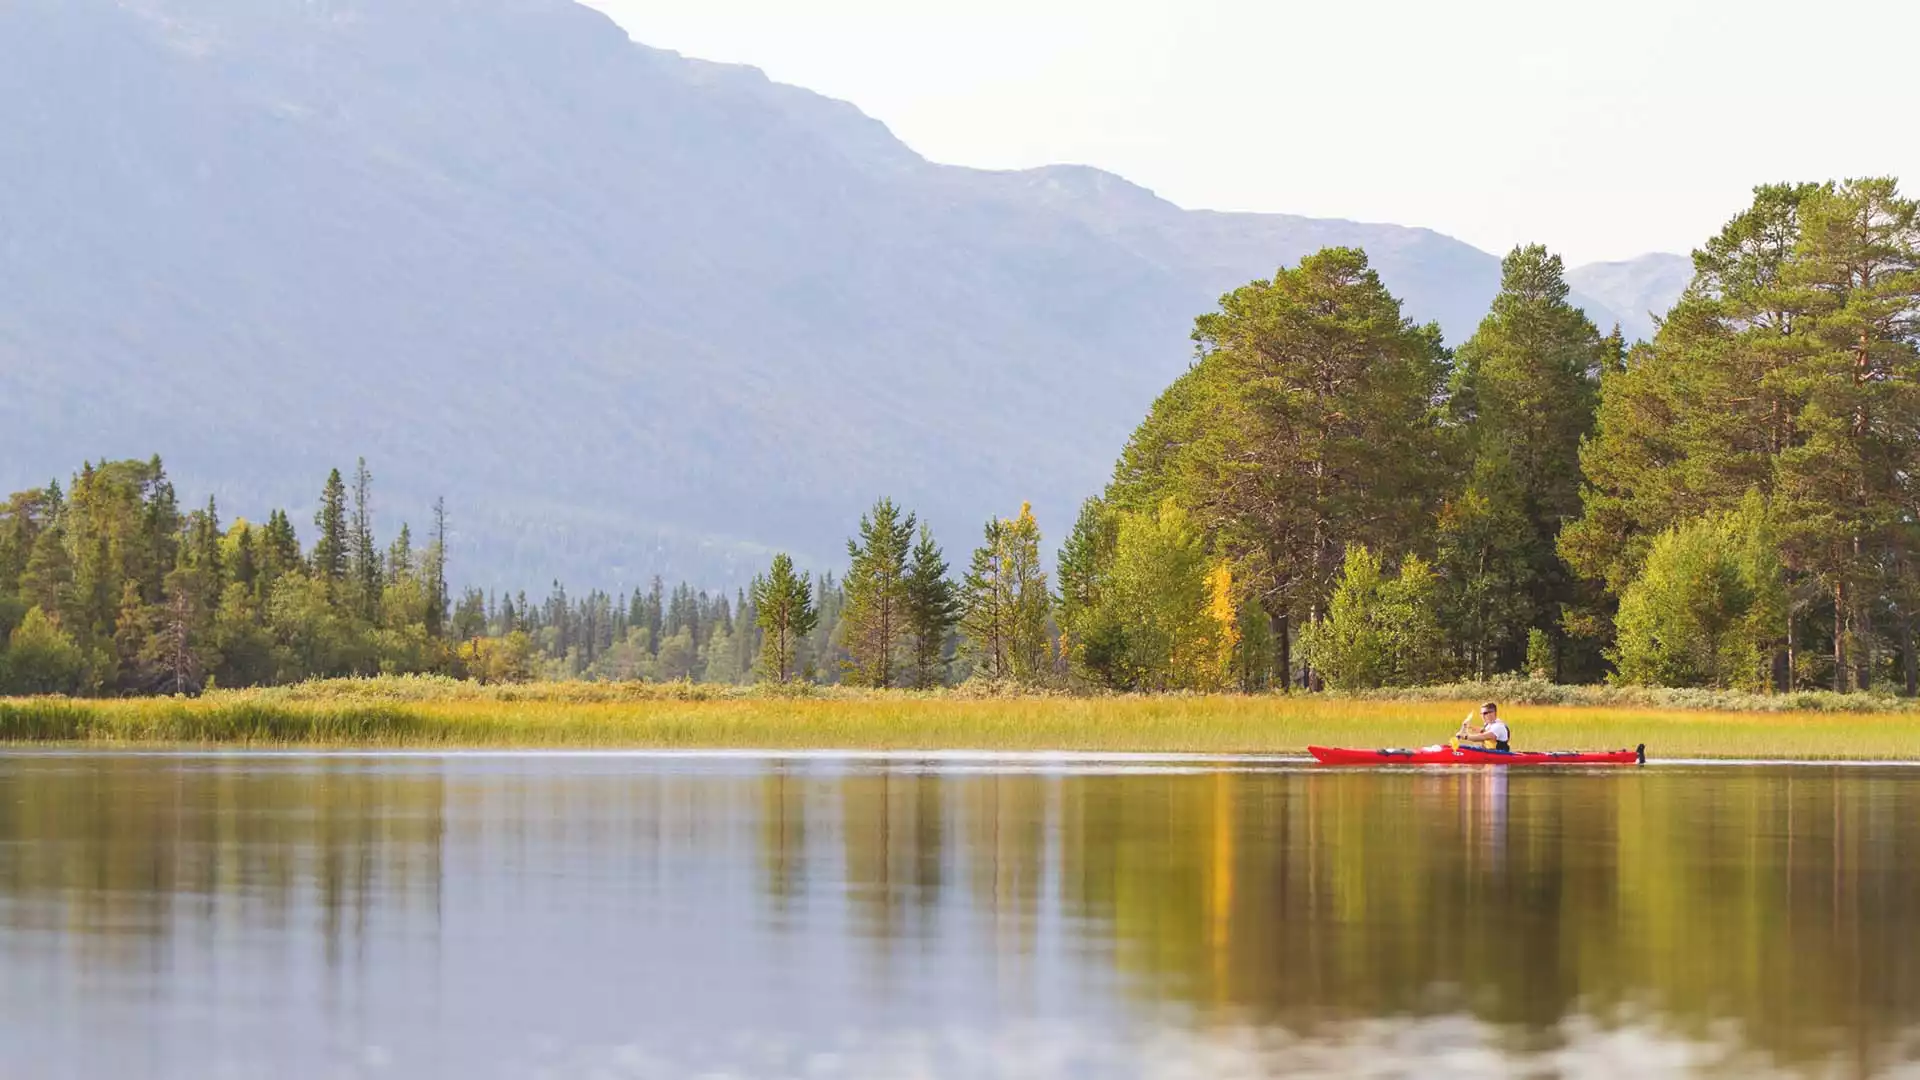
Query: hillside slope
{"type": "Point", "coordinates": [1639, 290]}
{"type": "Point", "coordinates": [627, 311]}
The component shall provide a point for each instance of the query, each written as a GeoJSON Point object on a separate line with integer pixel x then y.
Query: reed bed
{"type": "Point", "coordinates": [390, 713]}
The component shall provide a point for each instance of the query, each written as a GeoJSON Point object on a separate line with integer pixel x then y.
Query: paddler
{"type": "Point", "coordinates": [1492, 732]}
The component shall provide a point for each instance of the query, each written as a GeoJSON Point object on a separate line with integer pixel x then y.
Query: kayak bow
{"type": "Point", "coordinates": [1474, 755]}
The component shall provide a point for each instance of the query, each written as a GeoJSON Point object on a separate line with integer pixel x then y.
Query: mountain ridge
{"type": "Point", "coordinates": [629, 312]}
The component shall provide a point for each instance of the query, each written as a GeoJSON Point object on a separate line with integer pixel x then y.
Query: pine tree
{"type": "Point", "coordinates": [876, 588]}
{"type": "Point", "coordinates": [784, 611]}
{"type": "Point", "coordinates": [1790, 369]}
{"type": "Point", "coordinates": [932, 608]}
{"type": "Point", "coordinates": [133, 627]}
{"type": "Point", "coordinates": [47, 582]}
{"type": "Point", "coordinates": [1309, 422]}
{"type": "Point", "coordinates": [986, 607]}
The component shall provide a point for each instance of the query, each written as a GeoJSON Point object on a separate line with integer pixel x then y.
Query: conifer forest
{"type": "Point", "coordinates": [1330, 497]}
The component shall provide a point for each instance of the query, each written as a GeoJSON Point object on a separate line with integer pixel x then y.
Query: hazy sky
{"type": "Point", "coordinates": [1602, 129]}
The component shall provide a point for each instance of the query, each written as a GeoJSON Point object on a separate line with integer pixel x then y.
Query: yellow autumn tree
{"type": "Point", "coordinates": [1225, 613]}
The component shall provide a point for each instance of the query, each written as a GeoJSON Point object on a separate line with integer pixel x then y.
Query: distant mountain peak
{"type": "Point", "coordinates": [1091, 186]}
{"type": "Point", "coordinates": [629, 312]}
{"type": "Point", "coordinates": [1637, 290]}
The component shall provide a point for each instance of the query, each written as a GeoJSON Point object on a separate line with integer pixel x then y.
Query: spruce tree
{"type": "Point", "coordinates": [330, 547]}
{"type": "Point", "coordinates": [363, 557]}
{"type": "Point", "coordinates": [1523, 395]}
{"type": "Point", "coordinates": [438, 597]}
{"type": "Point", "coordinates": [932, 606]}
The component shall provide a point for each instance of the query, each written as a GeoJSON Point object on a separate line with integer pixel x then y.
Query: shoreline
{"type": "Point", "coordinates": [1082, 762]}
{"type": "Point", "coordinates": [376, 719]}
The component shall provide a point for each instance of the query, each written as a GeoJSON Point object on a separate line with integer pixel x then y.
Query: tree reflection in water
{"type": "Point", "coordinates": [1283, 910]}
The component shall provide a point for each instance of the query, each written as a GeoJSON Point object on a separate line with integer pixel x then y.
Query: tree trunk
{"type": "Point", "coordinates": [1839, 637]}
{"type": "Point", "coordinates": [1283, 635]}
{"type": "Point", "coordinates": [1309, 678]}
{"type": "Point", "coordinates": [1786, 680]}
{"type": "Point", "coordinates": [1908, 663]}
{"type": "Point", "coordinates": [1860, 621]}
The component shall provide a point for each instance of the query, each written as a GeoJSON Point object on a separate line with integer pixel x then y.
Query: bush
{"type": "Point", "coordinates": [1379, 631]}
{"type": "Point", "coordinates": [41, 658]}
{"type": "Point", "coordinates": [1709, 608]}
{"type": "Point", "coordinates": [1523, 691]}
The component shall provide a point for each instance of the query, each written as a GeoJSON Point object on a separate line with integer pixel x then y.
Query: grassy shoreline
{"type": "Point", "coordinates": [436, 714]}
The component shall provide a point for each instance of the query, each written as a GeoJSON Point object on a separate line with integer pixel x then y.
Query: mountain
{"type": "Point", "coordinates": [1639, 290]}
{"type": "Point", "coordinates": [628, 312]}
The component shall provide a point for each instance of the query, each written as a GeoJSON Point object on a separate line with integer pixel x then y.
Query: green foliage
{"type": "Point", "coordinates": [1540, 655]}
{"type": "Point", "coordinates": [1093, 637]}
{"type": "Point", "coordinates": [1379, 630]}
{"type": "Point", "coordinates": [1481, 539]}
{"type": "Point", "coordinates": [1730, 504]}
{"type": "Point", "coordinates": [331, 548]}
{"type": "Point", "coordinates": [1310, 422]}
{"type": "Point", "coordinates": [932, 609]}
{"type": "Point", "coordinates": [783, 602]}
{"type": "Point", "coordinates": [41, 658]}
{"type": "Point", "coordinates": [1791, 368]}
{"type": "Point", "coordinates": [1522, 398]}
{"type": "Point", "coordinates": [504, 659]}
{"type": "Point", "coordinates": [876, 617]}
{"type": "Point", "coordinates": [1157, 594]}
{"type": "Point", "coordinates": [1710, 607]}
{"type": "Point", "coordinates": [1004, 603]}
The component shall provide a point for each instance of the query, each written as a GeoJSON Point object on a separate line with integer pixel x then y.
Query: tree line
{"type": "Point", "coordinates": [108, 587]}
{"type": "Point", "coordinates": [1732, 504]}
{"type": "Point", "coordinates": [1329, 497]}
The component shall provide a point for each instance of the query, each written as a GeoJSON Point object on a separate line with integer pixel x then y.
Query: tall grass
{"type": "Point", "coordinates": [429, 713]}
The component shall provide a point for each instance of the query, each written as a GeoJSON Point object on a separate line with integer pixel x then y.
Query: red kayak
{"type": "Point", "coordinates": [1474, 755]}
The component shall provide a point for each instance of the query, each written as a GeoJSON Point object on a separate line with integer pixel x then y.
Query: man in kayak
{"type": "Point", "coordinates": [1492, 732]}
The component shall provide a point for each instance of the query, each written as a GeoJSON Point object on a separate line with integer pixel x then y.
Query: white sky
{"type": "Point", "coordinates": [1604, 130]}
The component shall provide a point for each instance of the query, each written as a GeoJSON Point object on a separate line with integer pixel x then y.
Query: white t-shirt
{"type": "Point", "coordinates": [1497, 730]}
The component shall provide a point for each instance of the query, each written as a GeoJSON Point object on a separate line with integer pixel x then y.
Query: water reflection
{"type": "Point", "coordinates": [181, 916]}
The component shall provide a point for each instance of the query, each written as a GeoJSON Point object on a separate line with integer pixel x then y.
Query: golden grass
{"type": "Point", "coordinates": [451, 717]}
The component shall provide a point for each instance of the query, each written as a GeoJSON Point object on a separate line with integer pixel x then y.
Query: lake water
{"type": "Point", "coordinates": [650, 916]}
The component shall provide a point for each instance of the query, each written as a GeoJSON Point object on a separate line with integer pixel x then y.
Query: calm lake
{"type": "Point", "coordinates": [662, 916]}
